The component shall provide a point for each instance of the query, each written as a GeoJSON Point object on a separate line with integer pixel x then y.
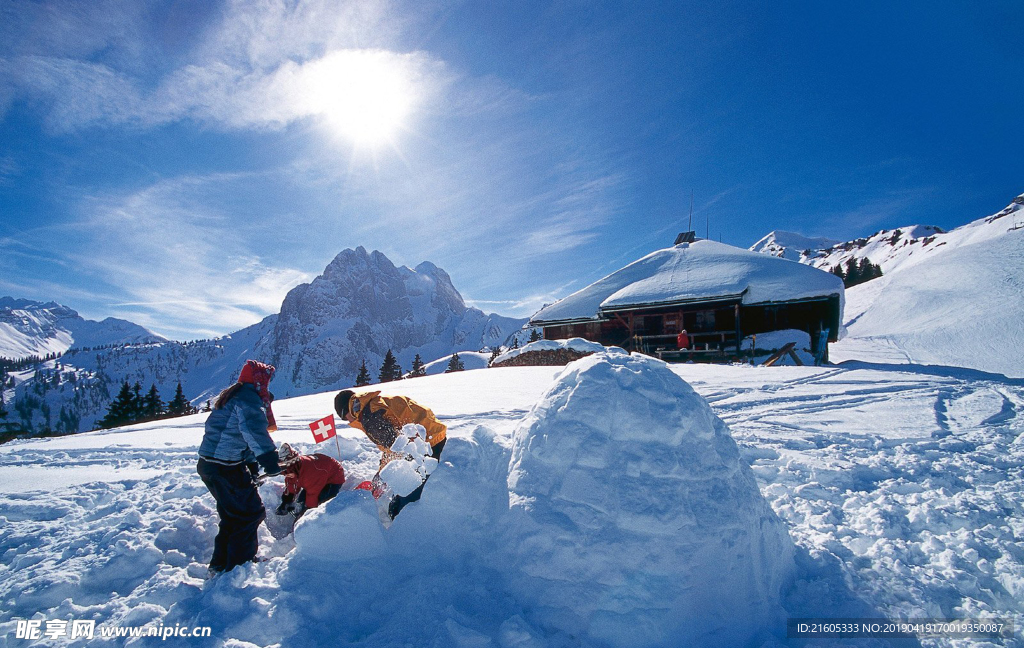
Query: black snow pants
{"type": "Point", "coordinates": [240, 509]}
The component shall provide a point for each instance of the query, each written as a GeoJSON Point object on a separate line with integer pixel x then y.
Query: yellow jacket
{"type": "Point", "coordinates": [381, 418]}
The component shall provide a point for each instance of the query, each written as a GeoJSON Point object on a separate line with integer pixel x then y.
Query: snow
{"type": "Point", "coordinates": [952, 299]}
{"type": "Point", "coordinates": [470, 360]}
{"type": "Point", "coordinates": [901, 486]}
{"type": "Point", "coordinates": [30, 328]}
{"type": "Point", "coordinates": [962, 307]}
{"type": "Point", "coordinates": [765, 344]}
{"type": "Point", "coordinates": [790, 245]}
{"type": "Point", "coordinates": [634, 520]}
{"type": "Point", "coordinates": [695, 271]}
{"type": "Point", "coordinates": [415, 463]}
{"type": "Point", "coordinates": [576, 344]}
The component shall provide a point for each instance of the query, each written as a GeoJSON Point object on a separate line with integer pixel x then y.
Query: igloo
{"type": "Point", "coordinates": [633, 519]}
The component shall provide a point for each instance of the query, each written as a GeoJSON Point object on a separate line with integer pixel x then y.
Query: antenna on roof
{"type": "Point", "coordinates": [689, 224]}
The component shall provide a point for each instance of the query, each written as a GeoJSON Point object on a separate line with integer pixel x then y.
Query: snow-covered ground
{"type": "Point", "coordinates": [960, 306]}
{"type": "Point", "coordinates": [901, 486]}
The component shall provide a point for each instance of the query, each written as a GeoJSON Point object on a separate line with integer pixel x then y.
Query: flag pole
{"type": "Point", "coordinates": [336, 444]}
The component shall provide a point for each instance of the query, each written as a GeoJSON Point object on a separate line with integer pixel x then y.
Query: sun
{"type": "Point", "coordinates": [366, 96]}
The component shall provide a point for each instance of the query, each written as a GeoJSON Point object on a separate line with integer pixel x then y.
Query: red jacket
{"type": "Point", "coordinates": [683, 341]}
{"type": "Point", "coordinates": [313, 472]}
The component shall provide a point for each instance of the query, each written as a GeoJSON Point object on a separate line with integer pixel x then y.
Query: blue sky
{"type": "Point", "coordinates": [184, 163]}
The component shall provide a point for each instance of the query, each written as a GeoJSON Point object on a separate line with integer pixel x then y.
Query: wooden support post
{"type": "Point", "coordinates": [739, 332]}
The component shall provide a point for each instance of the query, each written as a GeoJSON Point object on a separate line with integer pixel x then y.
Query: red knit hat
{"type": "Point", "coordinates": [259, 375]}
{"type": "Point", "coordinates": [256, 373]}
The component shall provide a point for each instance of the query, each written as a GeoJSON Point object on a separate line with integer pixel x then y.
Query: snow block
{"type": "Point", "coordinates": [633, 520]}
{"type": "Point", "coordinates": [344, 529]}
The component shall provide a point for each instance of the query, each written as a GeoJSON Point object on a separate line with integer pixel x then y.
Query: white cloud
{"type": "Point", "coordinates": [475, 182]}
{"type": "Point", "coordinates": [523, 306]}
{"type": "Point", "coordinates": [261, 67]}
{"type": "Point", "coordinates": [178, 262]}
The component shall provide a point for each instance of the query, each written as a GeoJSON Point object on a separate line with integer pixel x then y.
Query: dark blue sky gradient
{"type": "Point", "coordinates": [564, 140]}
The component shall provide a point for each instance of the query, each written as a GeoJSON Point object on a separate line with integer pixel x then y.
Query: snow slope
{"type": "Point", "coordinates": [469, 359]}
{"type": "Point", "coordinates": [959, 303]}
{"type": "Point", "coordinates": [30, 328]}
{"type": "Point", "coordinates": [949, 298]}
{"type": "Point", "coordinates": [901, 486]}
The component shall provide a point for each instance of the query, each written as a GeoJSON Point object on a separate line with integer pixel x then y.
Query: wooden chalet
{"type": "Point", "coordinates": [718, 293]}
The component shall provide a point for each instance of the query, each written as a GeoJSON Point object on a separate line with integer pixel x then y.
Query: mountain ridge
{"type": "Point", "coordinates": [34, 328]}
{"type": "Point", "coordinates": [360, 307]}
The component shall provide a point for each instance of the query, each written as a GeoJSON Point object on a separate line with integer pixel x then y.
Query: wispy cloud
{"type": "Point", "coordinates": [9, 169]}
{"type": "Point", "coordinates": [172, 259]}
{"type": "Point", "coordinates": [256, 69]}
{"type": "Point", "coordinates": [876, 212]}
{"type": "Point", "coordinates": [478, 184]}
{"type": "Point", "coordinates": [523, 306]}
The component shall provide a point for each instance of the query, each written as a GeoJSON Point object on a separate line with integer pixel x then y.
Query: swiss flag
{"type": "Point", "coordinates": [323, 429]}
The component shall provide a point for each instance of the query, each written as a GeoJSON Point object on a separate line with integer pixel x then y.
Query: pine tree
{"type": "Point", "coordinates": [535, 335]}
{"type": "Point", "coordinates": [121, 411]}
{"type": "Point", "coordinates": [837, 270]}
{"type": "Point", "coordinates": [454, 364]}
{"type": "Point", "coordinates": [363, 378]}
{"type": "Point", "coordinates": [495, 352]}
{"type": "Point", "coordinates": [138, 402]}
{"type": "Point", "coordinates": [866, 269]}
{"type": "Point", "coordinates": [152, 404]}
{"type": "Point", "coordinates": [852, 273]}
{"type": "Point", "coordinates": [418, 368]}
{"type": "Point", "coordinates": [179, 405]}
{"type": "Point", "coordinates": [388, 368]}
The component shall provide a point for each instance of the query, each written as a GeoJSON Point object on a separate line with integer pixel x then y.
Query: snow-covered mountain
{"type": "Point", "coordinates": [951, 298]}
{"type": "Point", "coordinates": [885, 248]}
{"type": "Point", "coordinates": [790, 245]}
{"type": "Point", "coordinates": [362, 306]}
{"type": "Point", "coordinates": [31, 328]}
{"type": "Point", "coordinates": [358, 309]}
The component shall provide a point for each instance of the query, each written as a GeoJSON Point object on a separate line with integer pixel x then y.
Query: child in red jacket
{"type": "Point", "coordinates": [308, 480]}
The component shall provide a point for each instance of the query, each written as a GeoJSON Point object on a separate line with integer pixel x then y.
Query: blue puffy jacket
{"type": "Point", "coordinates": [237, 432]}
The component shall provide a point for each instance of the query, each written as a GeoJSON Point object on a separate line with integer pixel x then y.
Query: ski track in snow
{"type": "Point", "coordinates": [903, 489]}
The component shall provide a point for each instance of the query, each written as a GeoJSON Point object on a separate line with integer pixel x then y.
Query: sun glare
{"type": "Point", "coordinates": [365, 96]}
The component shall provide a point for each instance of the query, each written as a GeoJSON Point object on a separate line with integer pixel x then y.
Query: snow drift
{"type": "Point", "coordinates": [622, 515]}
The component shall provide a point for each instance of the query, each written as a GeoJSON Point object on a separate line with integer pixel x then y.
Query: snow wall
{"type": "Point", "coordinates": [622, 515]}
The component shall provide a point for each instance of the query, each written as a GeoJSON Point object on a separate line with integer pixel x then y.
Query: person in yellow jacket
{"type": "Point", "coordinates": [381, 418]}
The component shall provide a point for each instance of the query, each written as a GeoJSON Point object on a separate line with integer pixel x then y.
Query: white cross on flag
{"type": "Point", "coordinates": [323, 429]}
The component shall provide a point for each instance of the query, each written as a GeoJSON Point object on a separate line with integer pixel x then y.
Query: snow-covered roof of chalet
{"type": "Point", "coordinates": [695, 272]}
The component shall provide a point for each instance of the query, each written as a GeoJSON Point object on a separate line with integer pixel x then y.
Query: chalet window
{"type": "Point", "coordinates": [706, 320]}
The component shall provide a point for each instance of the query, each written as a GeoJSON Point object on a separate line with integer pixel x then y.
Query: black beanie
{"type": "Point", "coordinates": [341, 402]}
